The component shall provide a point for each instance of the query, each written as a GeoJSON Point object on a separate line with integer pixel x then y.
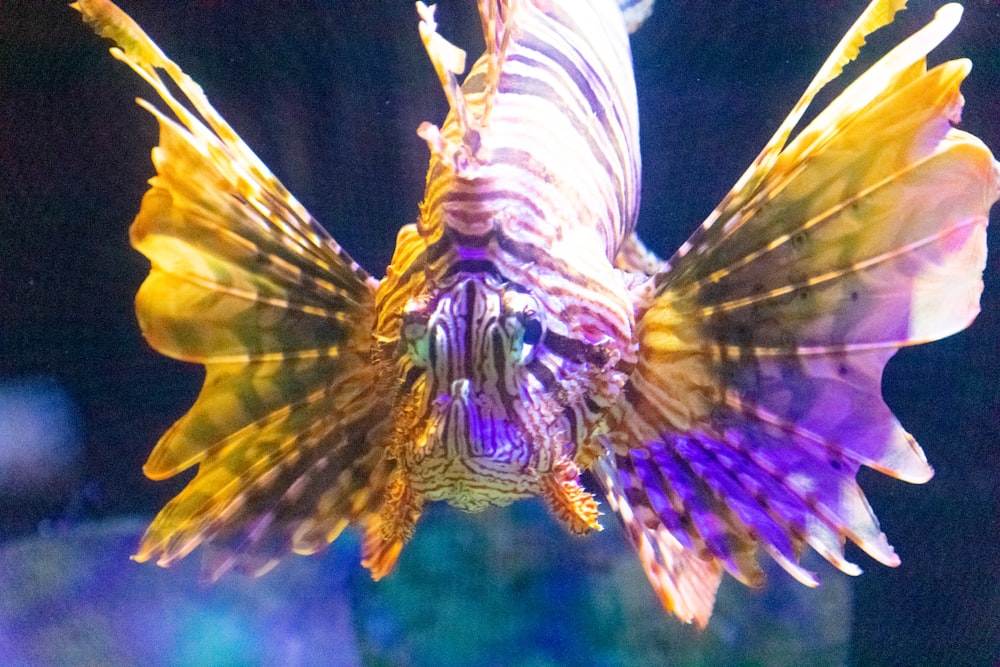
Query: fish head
{"type": "Point", "coordinates": [471, 435]}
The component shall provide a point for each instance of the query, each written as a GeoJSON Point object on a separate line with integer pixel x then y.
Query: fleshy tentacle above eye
{"type": "Point", "coordinates": [757, 395]}
{"type": "Point", "coordinates": [246, 282]}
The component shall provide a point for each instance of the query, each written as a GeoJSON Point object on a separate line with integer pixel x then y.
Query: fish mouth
{"type": "Point", "coordinates": [466, 425]}
{"type": "Point", "coordinates": [473, 456]}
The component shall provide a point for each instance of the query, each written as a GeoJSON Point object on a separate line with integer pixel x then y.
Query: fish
{"type": "Point", "coordinates": [524, 342]}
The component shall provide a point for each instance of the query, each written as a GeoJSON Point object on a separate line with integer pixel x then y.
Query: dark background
{"type": "Point", "coordinates": [329, 95]}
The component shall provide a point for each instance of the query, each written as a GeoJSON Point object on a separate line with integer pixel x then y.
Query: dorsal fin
{"type": "Point", "coordinates": [448, 61]}
{"type": "Point", "coordinates": [497, 18]}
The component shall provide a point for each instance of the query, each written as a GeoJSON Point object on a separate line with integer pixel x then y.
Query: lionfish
{"type": "Point", "coordinates": [723, 400]}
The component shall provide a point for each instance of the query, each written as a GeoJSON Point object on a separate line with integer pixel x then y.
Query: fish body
{"type": "Point", "coordinates": [724, 400]}
{"type": "Point", "coordinates": [509, 306]}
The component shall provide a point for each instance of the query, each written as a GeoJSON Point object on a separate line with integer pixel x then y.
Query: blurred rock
{"type": "Point", "coordinates": [75, 598]}
{"type": "Point", "coordinates": [505, 587]}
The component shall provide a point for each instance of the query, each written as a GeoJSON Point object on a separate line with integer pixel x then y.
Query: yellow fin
{"type": "Point", "coordinates": [286, 431]}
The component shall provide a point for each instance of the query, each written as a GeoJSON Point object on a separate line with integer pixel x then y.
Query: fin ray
{"type": "Point", "coordinates": [757, 394]}
{"type": "Point", "coordinates": [287, 433]}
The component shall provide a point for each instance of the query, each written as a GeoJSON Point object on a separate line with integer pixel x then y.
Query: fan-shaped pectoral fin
{"type": "Point", "coordinates": [286, 433]}
{"type": "Point", "coordinates": [757, 396]}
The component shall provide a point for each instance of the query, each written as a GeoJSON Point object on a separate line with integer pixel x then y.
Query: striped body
{"type": "Point", "coordinates": [532, 188]}
{"type": "Point", "coordinates": [724, 401]}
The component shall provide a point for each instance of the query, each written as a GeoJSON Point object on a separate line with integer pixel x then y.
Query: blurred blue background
{"type": "Point", "coordinates": [329, 94]}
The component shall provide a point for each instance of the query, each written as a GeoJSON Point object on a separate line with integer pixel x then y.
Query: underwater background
{"type": "Point", "coordinates": [329, 94]}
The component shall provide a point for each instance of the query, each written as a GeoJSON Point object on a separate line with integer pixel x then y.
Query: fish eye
{"type": "Point", "coordinates": [531, 336]}
{"type": "Point", "coordinates": [414, 333]}
{"type": "Point", "coordinates": [524, 325]}
{"type": "Point", "coordinates": [532, 330]}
